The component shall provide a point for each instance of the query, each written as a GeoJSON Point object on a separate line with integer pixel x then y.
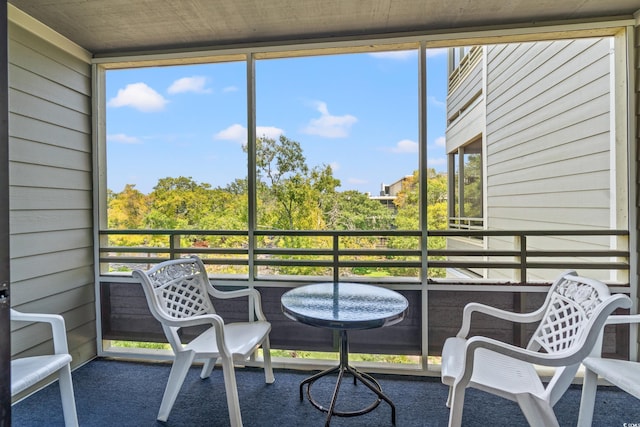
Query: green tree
{"type": "Point", "coordinates": [353, 210]}
{"type": "Point", "coordinates": [407, 218]}
{"type": "Point", "coordinates": [473, 186]}
{"type": "Point", "coordinates": [179, 203]}
{"type": "Point", "coordinates": [127, 210]}
{"type": "Point", "coordinates": [291, 196]}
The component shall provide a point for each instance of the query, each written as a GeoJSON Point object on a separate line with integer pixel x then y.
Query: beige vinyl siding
{"type": "Point", "coordinates": [463, 95]}
{"type": "Point", "coordinates": [467, 127]}
{"type": "Point", "coordinates": [50, 173]}
{"type": "Point", "coordinates": [548, 139]}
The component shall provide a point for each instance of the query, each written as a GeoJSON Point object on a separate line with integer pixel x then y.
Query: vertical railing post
{"type": "Point", "coordinates": [519, 299]}
{"type": "Point", "coordinates": [336, 258]}
{"type": "Point", "coordinates": [523, 258]}
{"type": "Point", "coordinates": [174, 243]}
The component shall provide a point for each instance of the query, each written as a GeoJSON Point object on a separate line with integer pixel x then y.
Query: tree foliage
{"type": "Point", "coordinates": [290, 195]}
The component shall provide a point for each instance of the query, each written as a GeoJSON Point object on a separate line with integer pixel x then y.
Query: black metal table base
{"type": "Point", "coordinates": [343, 368]}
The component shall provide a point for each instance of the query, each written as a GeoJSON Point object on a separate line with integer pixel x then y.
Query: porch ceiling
{"type": "Point", "coordinates": [104, 27]}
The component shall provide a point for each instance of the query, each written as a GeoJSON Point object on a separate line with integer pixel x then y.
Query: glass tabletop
{"type": "Point", "coordinates": [344, 305]}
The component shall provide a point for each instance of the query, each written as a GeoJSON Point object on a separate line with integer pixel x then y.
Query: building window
{"type": "Point", "coordinates": [466, 164]}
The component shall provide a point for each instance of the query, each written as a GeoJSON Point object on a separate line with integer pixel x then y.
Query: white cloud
{"type": "Point", "coordinates": [441, 141]}
{"type": "Point", "coordinates": [405, 146]}
{"type": "Point", "coordinates": [230, 89]}
{"type": "Point", "coordinates": [235, 132]}
{"type": "Point", "coordinates": [436, 102]}
{"type": "Point", "coordinates": [139, 96]}
{"type": "Point", "coordinates": [398, 54]}
{"type": "Point", "coordinates": [328, 125]}
{"type": "Point", "coordinates": [194, 84]}
{"type": "Point", "coordinates": [334, 166]}
{"type": "Point", "coordinates": [238, 133]}
{"type": "Point", "coordinates": [123, 139]}
{"type": "Point", "coordinates": [268, 132]}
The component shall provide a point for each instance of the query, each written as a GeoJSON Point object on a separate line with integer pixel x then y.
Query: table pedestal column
{"type": "Point", "coordinates": [342, 368]}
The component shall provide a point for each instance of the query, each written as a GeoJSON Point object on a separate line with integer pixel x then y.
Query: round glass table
{"type": "Point", "coordinates": [343, 307]}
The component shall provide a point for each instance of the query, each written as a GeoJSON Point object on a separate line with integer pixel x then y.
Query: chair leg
{"type": "Point", "coordinates": [266, 355]}
{"type": "Point", "coordinates": [208, 367]}
{"type": "Point", "coordinates": [179, 370]}
{"type": "Point", "coordinates": [449, 397]}
{"type": "Point", "coordinates": [67, 396]}
{"type": "Point", "coordinates": [456, 404]}
{"type": "Point", "coordinates": [231, 389]}
{"type": "Point", "coordinates": [588, 398]}
{"type": "Point", "coordinates": [538, 413]}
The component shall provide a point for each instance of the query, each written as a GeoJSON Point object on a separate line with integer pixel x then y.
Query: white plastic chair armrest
{"type": "Point", "coordinates": [204, 319]}
{"type": "Point", "coordinates": [535, 357]}
{"type": "Point", "coordinates": [230, 294]}
{"type": "Point", "coordinates": [543, 359]}
{"type": "Point", "coordinates": [253, 294]}
{"type": "Point", "coordinates": [212, 319]}
{"type": "Point", "coordinates": [618, 319]}
{"type": "Point", "coordinates": [473, 307]}
{"type": "Point", "coordinates": [623, 318]}
{"type": "Point", "coordinates": [56, 321]}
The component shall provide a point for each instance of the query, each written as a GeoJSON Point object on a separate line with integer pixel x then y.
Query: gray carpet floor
{"type": "Point", "coordinates": [118, 393]}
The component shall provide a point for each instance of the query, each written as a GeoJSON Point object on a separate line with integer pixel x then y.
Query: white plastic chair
{"type": "Point", "coordinates": [28, 371]}
{"type": "Point", "coordinates": [570, 319]}
{"type": "Point", "coordinates": [621, 373]}
{"type": "Point", "coordinates": [179, 295]}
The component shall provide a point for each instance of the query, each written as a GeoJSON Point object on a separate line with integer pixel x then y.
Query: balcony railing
{"type": "Point", "coordinates": [406, 254]}
{"type": "Point", "coordinates": [415, 263]}
{"type": "Point", "coordinates": [466, 65]}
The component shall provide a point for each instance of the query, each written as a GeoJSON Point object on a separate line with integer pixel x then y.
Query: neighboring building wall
{"type": "Point", "coordinates": [548, 139]}
{"type": "Point", "coordinates": [50, 193]}
{"type": "Point", "coordinates": [467, 86]}
{"type": "Point", "coordinates": [545, 117]}
{"type": "Point", "coordinates": [389, 193]}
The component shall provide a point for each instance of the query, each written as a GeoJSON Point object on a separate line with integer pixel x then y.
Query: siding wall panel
{"type": "Point", "coordinates": [50, 173]}
{"type": "Point", "coordinates": [561, 68]}
{"type": "Point", "coordinates": [50, 263]}
{"type": "Point", "coordinates": [37, 108]}
{"type": "Point", "coordinates": [30, 175]}
{"type": "Point", "coordinates": [25, 151]}
{"type": "Point", "coordinates": [588, 101]}
{"type": "Point", "coordinates": [523, 151]}
{"type": "Point", "coordinates": [468, 126]}
{"type": "Point", "coordinates": [26, 245]}
{"type": "Point", "coordinates": [33, 198]}
{"type": "Point", "coordinates": [52, 284]}
{"type": "Point", "coordinates": [30, 52]}
{"type": "Point", "coordinates": [47, 133]}
{"type": "Point", "coordinates": [469, 87]}
{"type": "Point", "coordinates": [548, 135]}
{"type": "Point", "coordinates": [44, 221]}
{"type": "Point", "coordinates": [29, 82]}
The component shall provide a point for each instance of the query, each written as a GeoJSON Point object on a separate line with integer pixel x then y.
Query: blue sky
{"type": "Point", "coordinates": [356, 112]}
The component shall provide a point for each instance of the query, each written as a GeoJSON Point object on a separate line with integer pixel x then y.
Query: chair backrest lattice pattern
{"type": "Point", "coordinates": [573, 301]}
{"type": "Point", "coordinates": [181, 289]}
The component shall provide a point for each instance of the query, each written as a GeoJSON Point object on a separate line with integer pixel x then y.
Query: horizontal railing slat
{"type": "Point", "coordinates": [333, 253]}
